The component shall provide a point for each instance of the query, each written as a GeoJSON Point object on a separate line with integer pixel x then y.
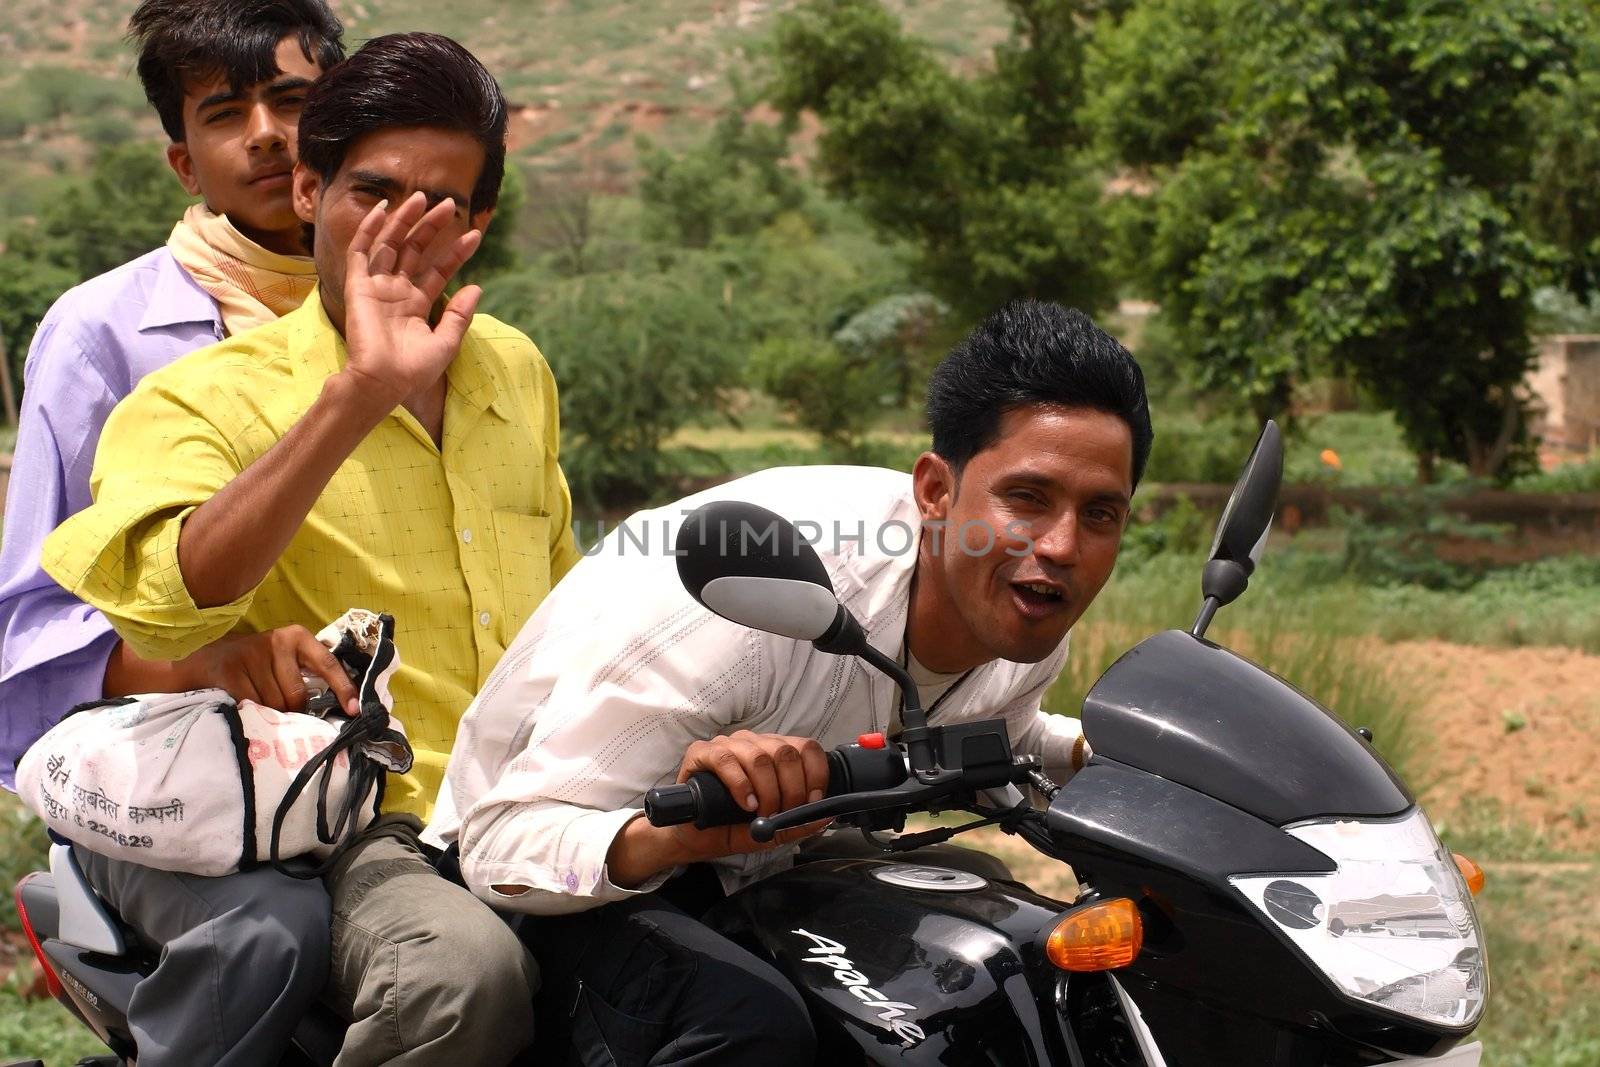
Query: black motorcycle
{"type": "Point", "coordinates": [1259, 888]}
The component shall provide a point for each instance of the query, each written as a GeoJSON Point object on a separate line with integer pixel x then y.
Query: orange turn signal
{"type": "Point", "coordinates": [1470, 871]}
{"type": "Point", "coordinates": [1096, 937]}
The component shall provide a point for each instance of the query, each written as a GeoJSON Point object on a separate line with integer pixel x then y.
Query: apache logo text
{"type": "Point", "coordinates": [830, 954]}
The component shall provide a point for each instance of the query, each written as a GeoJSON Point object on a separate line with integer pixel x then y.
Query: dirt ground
{"type": "Point", "coordinates": [1520, 726]}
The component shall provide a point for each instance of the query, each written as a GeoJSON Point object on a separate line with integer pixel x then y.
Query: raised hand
{"type": "Point", "coordinates": [396, 268]}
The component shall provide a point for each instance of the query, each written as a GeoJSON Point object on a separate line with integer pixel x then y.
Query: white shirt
{"type": "Point", "coordinates": [619, 670]}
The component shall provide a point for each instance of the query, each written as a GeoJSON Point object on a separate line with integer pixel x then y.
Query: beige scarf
{"type": "Point", "coordinates": [251, 285]}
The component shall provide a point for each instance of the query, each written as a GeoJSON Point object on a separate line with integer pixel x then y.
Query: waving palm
{"type": "Point", "coordinates": [396, 268]}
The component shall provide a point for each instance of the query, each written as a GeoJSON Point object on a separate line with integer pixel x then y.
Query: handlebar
{"type": "Point", "coordinates": [704, 801]}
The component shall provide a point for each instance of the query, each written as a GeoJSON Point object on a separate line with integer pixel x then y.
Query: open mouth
{"type": "Point", "coordinates": [1037, 600]}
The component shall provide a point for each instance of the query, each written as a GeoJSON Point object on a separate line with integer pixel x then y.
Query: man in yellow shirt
{"type": "Point", "coordinates": [368, 449]}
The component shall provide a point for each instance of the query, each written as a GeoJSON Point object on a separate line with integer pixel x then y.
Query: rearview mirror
{"type": "Point", "coordinates": [751, 566]}
{"type": "Point", "coordinates": [1247, 517]}
{"type": "Point", "coordinates": [1242, 531]}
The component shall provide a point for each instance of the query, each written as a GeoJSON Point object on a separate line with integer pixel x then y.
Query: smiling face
{"type": "Point", "coordinates": [385, 165]}
{"type": "Point", "coordinates": [1032, 528]}
{"type": "Point", "coordinates": [238, 150]}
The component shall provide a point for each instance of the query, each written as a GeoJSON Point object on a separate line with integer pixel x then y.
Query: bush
{"type": "Point", "coordinates": [1212, 450]}
{"type": "Point", "coordinates": [831, 392]}
{"type": "Point", "coordinates": [1579, 477]}
{"type": "Point", "coordinates": [900, 332]}
{"type": "Point", "coordinates": [1183, 527]}
{"type": "Point", "coordinates": [1401, 548]}
{"type": "Point", "coordinates": [637, 358]}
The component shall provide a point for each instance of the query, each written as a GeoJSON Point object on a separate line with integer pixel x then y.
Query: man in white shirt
{"type": "Point", "coordinates": [972, 570]}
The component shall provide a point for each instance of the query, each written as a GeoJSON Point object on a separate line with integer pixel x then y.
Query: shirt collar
{"type": "Point", "coordinates": [175, 299]}
{"type": "Point", "coordinates": [474, 374]}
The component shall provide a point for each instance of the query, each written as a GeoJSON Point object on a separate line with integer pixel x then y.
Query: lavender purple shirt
{"type": "Point", "coordinates": [91, 349]}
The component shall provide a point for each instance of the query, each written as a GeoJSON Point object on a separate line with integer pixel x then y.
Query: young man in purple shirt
{"type": "Point", "coordinates": [228, 80]}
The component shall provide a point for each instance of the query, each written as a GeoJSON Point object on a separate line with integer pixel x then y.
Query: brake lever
{"type": "Point", "coordinates": [909, 793]}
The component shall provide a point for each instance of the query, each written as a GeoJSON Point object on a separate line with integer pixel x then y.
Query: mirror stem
{"type": "Point", "coordinates": [914, 721]}
{"type": "Point", "coordinates": [1208, 611]}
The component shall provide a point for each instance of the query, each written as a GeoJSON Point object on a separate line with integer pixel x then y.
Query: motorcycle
{"type": "Point", "coordinates": [1259, 887]}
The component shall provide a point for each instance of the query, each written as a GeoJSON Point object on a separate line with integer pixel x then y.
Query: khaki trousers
{"type": "Point", "coordinates": [425, 973]}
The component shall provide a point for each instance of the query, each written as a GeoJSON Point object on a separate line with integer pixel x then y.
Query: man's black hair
{"type": "Point", "coordinates": [1032, 352]}
{"type": "Point", "coordinates": [406, 80]}
{"type": "Point", "coordinates": [184, 40]}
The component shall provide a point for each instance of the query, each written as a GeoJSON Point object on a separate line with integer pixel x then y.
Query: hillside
{"type": "Point", "coordinates": [584, 76]}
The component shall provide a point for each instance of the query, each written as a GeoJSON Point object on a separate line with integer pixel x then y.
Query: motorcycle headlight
{"type": "Point", "coordinates": [1393, 925]}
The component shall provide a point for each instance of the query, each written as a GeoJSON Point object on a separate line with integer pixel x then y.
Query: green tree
{"type": "Point", "coordinates": [637, 356]}
{"type": "Point", "coordinates": [830, 341]}
{"type": "Point", "coordinates": [498, 252]}
{"type": "Point", "coordinates": [124, 207]}
{"type": "Point", "coordinates": [899, 332]}
{"type": "Point", "coordinates": [833, 392]}
{"type": "Point", "coordinates": [735, 183]}
{"type": "Point", "coordinates": [989, 177]}
{"type": "Point", "coordinates": [1352, 186]}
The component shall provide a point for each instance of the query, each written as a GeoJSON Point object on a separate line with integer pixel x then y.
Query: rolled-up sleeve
{"type": "Point", "coordinates": [159, 458]}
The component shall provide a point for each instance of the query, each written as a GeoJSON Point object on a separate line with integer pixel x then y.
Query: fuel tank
{"type": "Point", "coordinates": [907, 963]}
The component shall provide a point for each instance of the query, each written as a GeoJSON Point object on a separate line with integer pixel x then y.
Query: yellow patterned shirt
{"type": "Point", "coordinates": [459, 544]}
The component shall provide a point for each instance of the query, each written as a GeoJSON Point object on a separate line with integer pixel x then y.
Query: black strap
{"type": "Point", "coordinates": [247, 780]}
{"type": "Point", "coordinates": [366, 774]}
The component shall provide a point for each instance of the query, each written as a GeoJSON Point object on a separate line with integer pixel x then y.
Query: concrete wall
{"type": "Point", "coordinates": [1566, 387]}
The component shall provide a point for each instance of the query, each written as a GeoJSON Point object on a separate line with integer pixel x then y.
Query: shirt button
{"type": "Point", "coordinates": [483, 618]}
{"type": "Point", "coordinates": [466, 536]}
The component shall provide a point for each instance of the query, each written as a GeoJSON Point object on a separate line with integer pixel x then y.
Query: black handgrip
{"type": "Point", "coordinates": [704, 800]}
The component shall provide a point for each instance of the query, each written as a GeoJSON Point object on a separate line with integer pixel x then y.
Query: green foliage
{"type": "Point", "coordinates": [899, 333]}
{"type": "Point", "coordinates": [498, 252]}
{"type": "Point", "coordinates": [1182, 528]}
{"type": "Point", "coordinates": [735, 183]}
{"type": "Point", "coordinates": [831, 391]}
{"type": "Point", "coordinates": [124, 207]}
{"type": "Point", "coordinates": [637, 357]}
{"type": "Point", "coordinates": [29, 284]}
{"type": "Point", "coordinates": [1510, 606]}
{"type": "Point", "coordinates": [1402, 548]}
{"type": "Point", "coordinates": [1563, 201]}
{"type": "Point", "coordinates": [1342, 186]}
{"type": "Point", "coordinates": [1557, 310]}
{"type": "Point", "coordinates": [1369, 446]}
{"type": "Point", "coordinates": [24, 847]}
{"type": "Point", "coordinates": [986, 176]}
{"type": "Point", "coordinates": [49, 93]}
{"type": "Point", "coordinates": [1541, 1012]}
{"type": "Point", "coordinates": [1187, 449]}
{"type": "Point", "coordinates": [42, 1029]}
{"type": "Point", "coordinates": [1582, 476]}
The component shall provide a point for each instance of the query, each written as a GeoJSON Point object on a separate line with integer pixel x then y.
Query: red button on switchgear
{"type": "Point", "coordinates": [871, 741]}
